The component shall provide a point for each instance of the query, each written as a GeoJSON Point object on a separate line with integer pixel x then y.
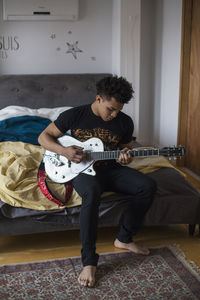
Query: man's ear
{"type": "Point", "coordinates": [98, 98]}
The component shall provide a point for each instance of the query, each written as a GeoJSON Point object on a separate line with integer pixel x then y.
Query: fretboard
{"type": "Point", "coordinates": [116, 153]}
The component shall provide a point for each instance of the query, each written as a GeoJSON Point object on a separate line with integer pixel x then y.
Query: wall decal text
{"type": "Point", "coordinates": [7, 44]}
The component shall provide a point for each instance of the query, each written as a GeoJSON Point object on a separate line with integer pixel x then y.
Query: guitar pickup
{"type": "Point", "coordinates": [54, 160]}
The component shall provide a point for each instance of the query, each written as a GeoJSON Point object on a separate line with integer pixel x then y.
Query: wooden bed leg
{"type": "Point", "coordinates": [191, 229]}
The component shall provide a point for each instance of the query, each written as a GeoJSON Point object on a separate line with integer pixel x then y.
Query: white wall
{"type": "Point", "coordinates": [159, 71]}
{"type": "Point", "coordinates": [139, 39]}
{"type": "Point", "coordinates": [167, 81]}
{"type": "Point", "coordinates": [116, 37]}
{"type": "Point", "coordinates": [126, 50]}
{"type": "Point", "coordinates": [147, 71]}
{"type": "Point", "coordinates": [148, 55]}
{"type": "Point", "coordinates": [130, 54]}
{"type": "Point", "coordinates": [43, 45]}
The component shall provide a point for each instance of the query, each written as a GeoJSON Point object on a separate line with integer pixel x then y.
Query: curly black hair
{"type": "Point", "coordinates": [116, 87]}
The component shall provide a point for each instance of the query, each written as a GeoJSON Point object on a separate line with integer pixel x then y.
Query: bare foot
{"type": "Point", "coordinates": [87, 276]}
{"type": "Point", "coordinates": [132, 247]}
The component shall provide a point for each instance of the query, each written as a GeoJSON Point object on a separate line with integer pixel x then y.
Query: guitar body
{"type": "Point", "coordinates": [59, 169]}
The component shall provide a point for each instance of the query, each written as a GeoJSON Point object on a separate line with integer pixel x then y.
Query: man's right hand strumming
{"type": "Point", "coordinates": [73, 153]}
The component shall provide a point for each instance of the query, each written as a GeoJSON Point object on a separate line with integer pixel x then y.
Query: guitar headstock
{"type": "Point", "coordinates": [173, 152]}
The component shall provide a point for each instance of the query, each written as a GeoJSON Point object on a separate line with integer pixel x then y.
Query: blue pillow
{"type": "Point", "coordinates": [24, 128]}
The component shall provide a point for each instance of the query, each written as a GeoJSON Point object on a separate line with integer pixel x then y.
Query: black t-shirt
{"type": "Point", "coordinates": [84, 124]}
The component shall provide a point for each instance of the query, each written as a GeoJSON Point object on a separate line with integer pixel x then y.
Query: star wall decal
{"type": "Point", "coordinates": [53, 36]}
{"type": "Point", "coordinates": [73, 49]}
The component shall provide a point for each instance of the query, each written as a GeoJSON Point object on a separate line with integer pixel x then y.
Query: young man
{"type": "Point", "coordinates": [103, 119]}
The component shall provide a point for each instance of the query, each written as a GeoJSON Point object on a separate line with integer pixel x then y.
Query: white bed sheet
{"type": "Point", "coordinates": [16, 111]}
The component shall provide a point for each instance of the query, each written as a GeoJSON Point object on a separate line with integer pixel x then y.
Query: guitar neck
{"type": "Point", "coordinates": [116, 153]}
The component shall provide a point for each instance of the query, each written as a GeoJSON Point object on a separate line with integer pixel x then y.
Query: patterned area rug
{"type": "Point", "coordinates": [164, 274]}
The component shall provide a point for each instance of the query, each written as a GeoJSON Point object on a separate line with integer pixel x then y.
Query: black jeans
{"type": "Point", "coordinates": [111, 176]}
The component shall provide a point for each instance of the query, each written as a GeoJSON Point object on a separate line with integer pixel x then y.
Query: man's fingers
{"type": "Point", "coordinates": [78, 147]}
{"type": "Point", "coordinates": [125, 156]}
{"type": "Point", "coordinates": [77, 161]}
{"type": "Point", "coordinates": [78, 156]}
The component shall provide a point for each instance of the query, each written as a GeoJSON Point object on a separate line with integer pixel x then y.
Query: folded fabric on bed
{"type": "Point", "coordinates": [19, 164]}
{"type": "Point", "coordinates": [16, 111]}
{"type": "Point", "coordinates": [23, 128]}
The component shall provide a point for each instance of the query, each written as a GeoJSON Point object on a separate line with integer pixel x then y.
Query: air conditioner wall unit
{"type": "Point", "coordinates": [42, 10]}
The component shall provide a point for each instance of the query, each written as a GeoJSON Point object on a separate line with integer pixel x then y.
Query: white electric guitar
{"type": "Point", "coordinates": [59, 169]}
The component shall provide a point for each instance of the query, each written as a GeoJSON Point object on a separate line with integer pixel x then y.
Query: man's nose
{"type": "Point", "coordinates": [114, 114]}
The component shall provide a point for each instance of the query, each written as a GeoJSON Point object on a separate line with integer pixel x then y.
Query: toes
{"type": "Point", "coordinates": [83, 282]}
{"type": "Point", "coordinates": [91, 283]}
{"type": "Point", "coordinates": [144, 251]}
{"type": "Point", "coordinates": [86, 277]}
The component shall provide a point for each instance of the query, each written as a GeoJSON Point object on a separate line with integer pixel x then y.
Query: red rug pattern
{"type": "Point", "coordinates": [164, 274]}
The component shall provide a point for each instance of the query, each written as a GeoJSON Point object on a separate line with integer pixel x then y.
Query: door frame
{"type": "Point", "coordinates": [184, 75]}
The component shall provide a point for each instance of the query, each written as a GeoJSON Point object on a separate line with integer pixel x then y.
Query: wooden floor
{"type": "Point", "coordinates": [27, 248]}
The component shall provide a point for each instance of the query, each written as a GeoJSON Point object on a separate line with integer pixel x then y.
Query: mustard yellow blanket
{"type": "Point", "coordinates": [19, 164]}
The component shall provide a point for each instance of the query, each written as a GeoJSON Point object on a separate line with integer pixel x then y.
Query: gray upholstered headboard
{"type": "Point", "coordinates": [50, 90]}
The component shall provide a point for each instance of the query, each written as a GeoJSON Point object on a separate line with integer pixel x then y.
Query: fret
{"type": "Point", "coordinates": [136, 153]}
{"type": "Point", "coordinates": [144, 152]}
{"type": "Point", "coordinates": [155, 151]}
{"type": "Point", "coordinates": [116, 153]}
{"type": "Point", "coordinates": [150, 151]}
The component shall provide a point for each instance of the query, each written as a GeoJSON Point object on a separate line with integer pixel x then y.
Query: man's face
{"type": "Point", "coordinates": [108, 109]}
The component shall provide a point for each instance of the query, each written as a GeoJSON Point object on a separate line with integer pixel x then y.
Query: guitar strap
{"type": "Point", "coordinates": [46, 191]}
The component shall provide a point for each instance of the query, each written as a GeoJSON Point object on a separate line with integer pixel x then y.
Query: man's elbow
{"type": "Point", "coordinates": [40, 138]}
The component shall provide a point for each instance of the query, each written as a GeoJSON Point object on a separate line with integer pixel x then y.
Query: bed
{"type": "Point", "coordinates": [37, 100]}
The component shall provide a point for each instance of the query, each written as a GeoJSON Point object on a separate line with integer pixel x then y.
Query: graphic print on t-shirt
{"type": "Point", "coordinates": [110, 140]}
